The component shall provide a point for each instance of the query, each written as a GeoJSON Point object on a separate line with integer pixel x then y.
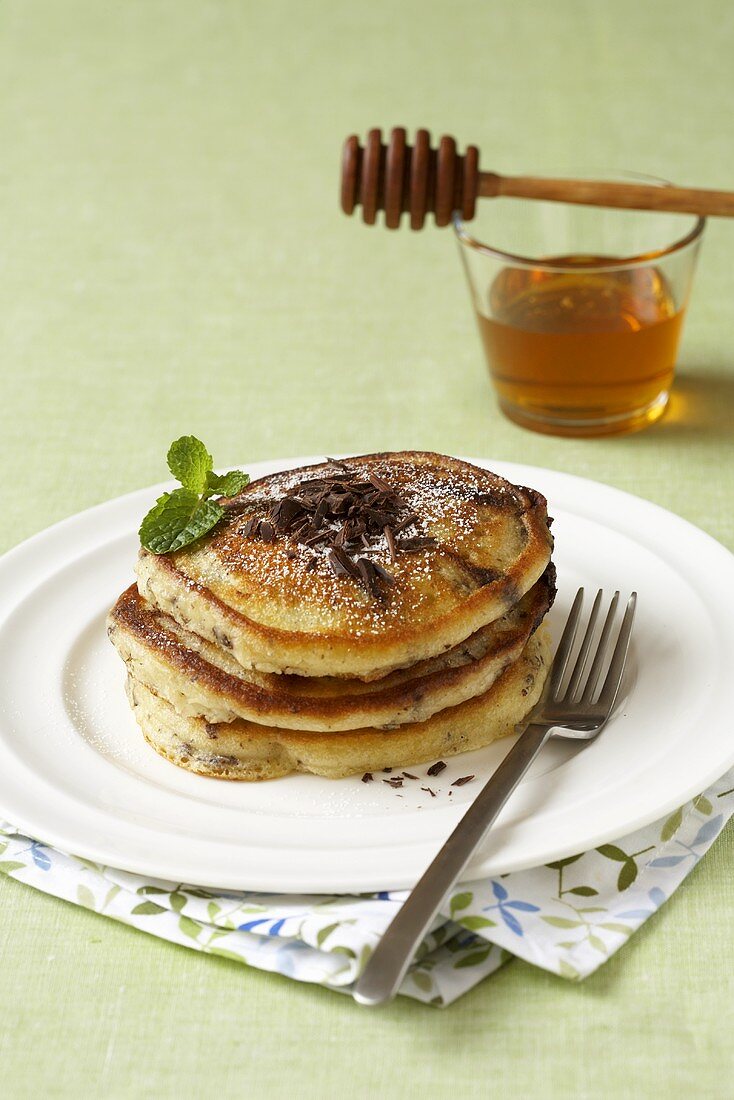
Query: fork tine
{"type": "Point", "coordinates": [566, 643]}
{"type": "Point", "coordinates": [580, 665]}
{"type": "Point", "coordinates": [616, 667]}
{"type": "Point", "coordinates": [601, 651]}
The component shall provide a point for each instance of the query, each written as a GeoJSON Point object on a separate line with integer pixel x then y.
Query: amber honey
{"type": "Point", "coordinates": [581, 351]}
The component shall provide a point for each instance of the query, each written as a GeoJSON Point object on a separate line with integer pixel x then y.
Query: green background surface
{"type": "Point", "coordinates": [172, 260]}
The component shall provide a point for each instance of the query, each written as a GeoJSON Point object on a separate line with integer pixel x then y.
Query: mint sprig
{"type": "Point", "coordinates": [181, 517]}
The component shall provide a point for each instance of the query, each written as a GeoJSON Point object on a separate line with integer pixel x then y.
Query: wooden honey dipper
{"type": "Point", "coordinates": [399, 178]}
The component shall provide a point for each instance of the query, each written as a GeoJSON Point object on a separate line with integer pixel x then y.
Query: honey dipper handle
{"type": "Point", "coordinates": [632, 196]}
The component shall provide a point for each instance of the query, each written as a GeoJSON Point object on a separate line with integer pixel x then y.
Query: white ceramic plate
{"type": "Point", "coordinates": [76, 773]}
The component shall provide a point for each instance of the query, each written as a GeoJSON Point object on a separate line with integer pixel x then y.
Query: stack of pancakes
{"type": "Point", "coordinates": [343, 618]}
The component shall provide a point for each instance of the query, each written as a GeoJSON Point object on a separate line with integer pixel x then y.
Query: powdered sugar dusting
{"type": "Point", "coordinates": [459, 505]}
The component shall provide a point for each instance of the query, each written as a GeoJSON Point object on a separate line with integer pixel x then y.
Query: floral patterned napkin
{"type": "Point", "coordinates": [567, 917]}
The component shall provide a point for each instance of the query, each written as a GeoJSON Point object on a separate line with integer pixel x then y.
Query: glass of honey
{"type": "Point", "coordinates": [580, 309]}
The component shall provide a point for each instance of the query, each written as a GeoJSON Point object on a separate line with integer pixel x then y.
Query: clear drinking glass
{"type": "Point", "coordinates": [580, 309]}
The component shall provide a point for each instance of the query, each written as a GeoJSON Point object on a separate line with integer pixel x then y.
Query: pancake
{"type": "Point", "coordinates": [248, 751]}
{"type": "Point", "coordinates": [434, 550]}
{"type": "Point", "coordinates": [201, 679]}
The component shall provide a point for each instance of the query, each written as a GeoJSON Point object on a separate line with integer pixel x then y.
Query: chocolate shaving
{"type": "Point", "coordinates": [367, 777]}
{"type": "Point", "coordinates": [429, 791]}
{"type": "Point", "coordinates": [382, 573]}
{"type": "Point", "coordinates": [390, 539]}
{"type": "Point", "coordinates": [312, 540]}
{"type": "Point", "coordinates": [395, 781]}
{"type": "Point", "coordinates": [342, 565]}
{"type": "Point", "coordinates": [464, 779]}
{"type": "Point", "coordinates": [436, 769]}
{"type": "Point", "coordinates": [405, 523]}
{"type": "Point", "coordinates": [368, 575]}
{"type": "Point", "coordinates": [419, 542]}
{"type": "Point", "coordinates": [378, 483]}
{"type": "Point", "coordinates": [347, 515]}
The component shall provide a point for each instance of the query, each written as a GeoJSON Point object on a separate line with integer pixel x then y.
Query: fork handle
{"type": "Point", "coordinates": [391, 958]}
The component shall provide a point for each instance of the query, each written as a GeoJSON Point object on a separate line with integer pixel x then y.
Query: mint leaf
{"type": "Point", "coordinates": [190, 462]}
{"type": "Point", "coordinates": [227, 484]}
{"type": "Point", "coordinates": [176, 519]}
{"type": "Point", "coordinates": [183, 516]}
{"type": "Point", "coordinates": [206, 516]}
{"type": "Point", "coordinates": [169, 515]}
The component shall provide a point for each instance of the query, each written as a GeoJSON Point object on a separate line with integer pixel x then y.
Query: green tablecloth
{"type": "Point", "coordinates": [172, 260]}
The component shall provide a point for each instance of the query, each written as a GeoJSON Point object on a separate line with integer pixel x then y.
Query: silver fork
{"type": "Point", "coordinates": [575, 711]}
